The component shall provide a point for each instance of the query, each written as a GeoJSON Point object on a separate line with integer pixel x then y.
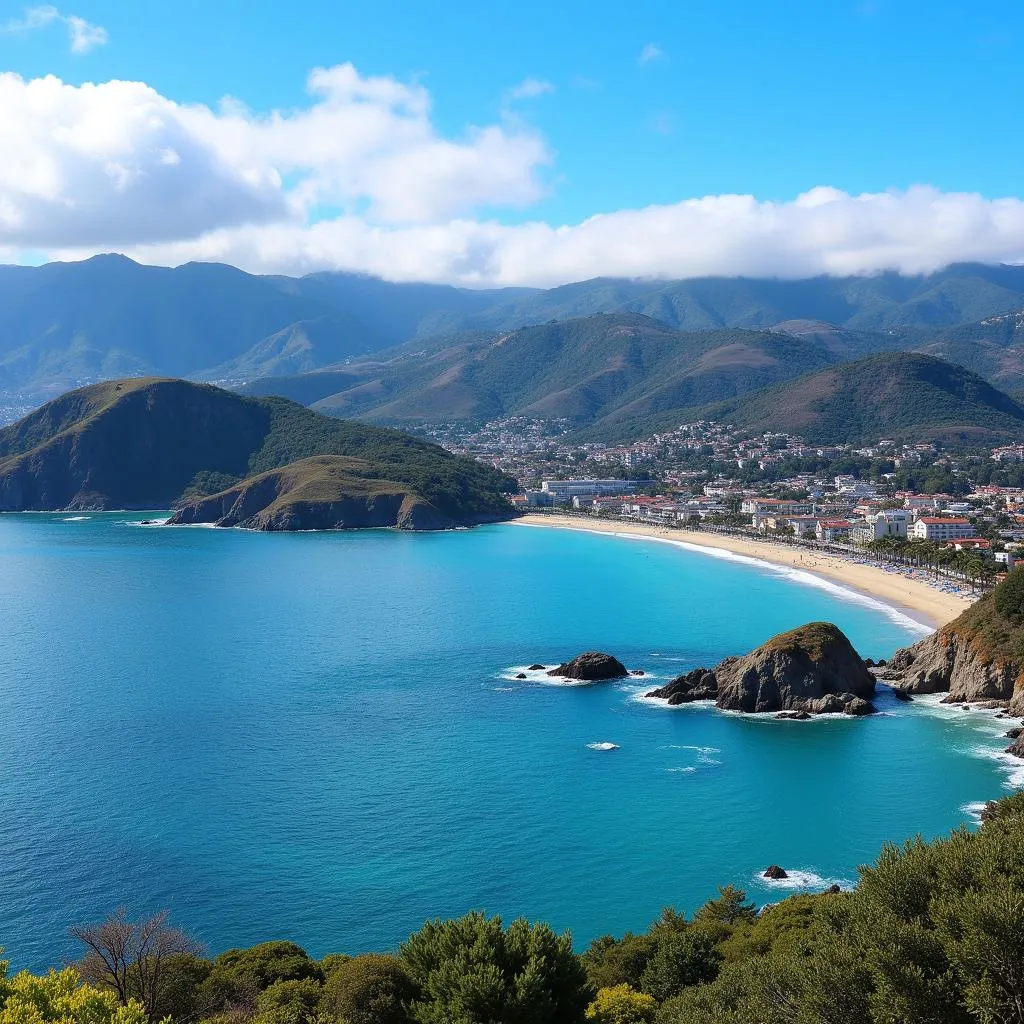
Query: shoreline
{"type": "Point", "coordinates": [924, 604]}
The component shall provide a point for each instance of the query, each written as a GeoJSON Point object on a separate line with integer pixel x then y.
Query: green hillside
{"type": "Point", "coordinates": [992, 348]}
{"type": "Point", "coordinates": [150, 443]}
{"type": "Point", "coordinates": [907, 396]}
{"type": "Point", "coordinates": [600, 369]}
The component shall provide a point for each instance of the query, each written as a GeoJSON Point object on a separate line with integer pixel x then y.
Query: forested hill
{"type": "Point", "coordinates": [152, 443]}
{"type": "Point", "coordinates": [106, 317]}
{"type": "Point", "coordinates": [898, 395]}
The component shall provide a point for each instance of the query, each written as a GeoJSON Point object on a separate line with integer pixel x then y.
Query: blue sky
{"type": "Point", "coordinates": [632, 106]}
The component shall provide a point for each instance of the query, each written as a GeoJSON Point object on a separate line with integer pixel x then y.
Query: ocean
{"type": "Point", "coordinates": [319, 737]}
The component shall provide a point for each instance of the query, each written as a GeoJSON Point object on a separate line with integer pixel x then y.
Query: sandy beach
{"type": "Point", "coordinates": [917, 598]}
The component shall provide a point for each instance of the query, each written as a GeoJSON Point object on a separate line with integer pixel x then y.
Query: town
{"type": "Point", "coordinates": [959, 511]}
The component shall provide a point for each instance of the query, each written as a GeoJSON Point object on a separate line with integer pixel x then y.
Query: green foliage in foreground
{"type": "Point", "coordinates": [931, 935]}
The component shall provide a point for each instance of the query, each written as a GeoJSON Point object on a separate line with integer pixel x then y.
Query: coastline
{"type": "Point", "coordinates": [922, 602]}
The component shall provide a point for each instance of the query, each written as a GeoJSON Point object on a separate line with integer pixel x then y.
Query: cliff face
{"type": "Point", "coordinates": [812, 670]}
{"type": "Point", "coordinates": [979, 656]}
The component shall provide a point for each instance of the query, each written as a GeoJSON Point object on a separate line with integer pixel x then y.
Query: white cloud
{"type": "Point", "coordinates": [83, 36]}
{"type": "Point", "coordinates": [117, 164]}
{"type": "Point", "coordinates": [823, 231]}
{"type": "Point", "coordinates": [650, 53]}
{"type": "Point", "coordinates": [529, 88]}
{"type": "Point", "coordinates": [360, 179]}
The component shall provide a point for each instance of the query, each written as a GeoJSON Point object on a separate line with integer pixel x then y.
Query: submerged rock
{"type": "Point", "coordinates": [775, 872]}
{"type": "Point", "coordinates": [858, 707]}
{"type": "Point", "coordinates": [793, 716]}
{"type": "Point", "coordinates": [638, 672]}
{"type": "Point", "coordinates": [537, 668]}
{"type": "Point", "coordinates": [900, 694]}
{"type": "Point", "coordinates": [520, 675]}
{"type": "Point", "coordinates": [592, 666]}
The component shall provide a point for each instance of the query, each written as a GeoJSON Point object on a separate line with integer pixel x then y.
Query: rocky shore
{"type": "Point", "coordinates": [976, 658]}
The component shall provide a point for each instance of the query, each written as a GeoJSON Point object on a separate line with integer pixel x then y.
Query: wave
{"type": "Point", "coordinates": [808, 880]}
{"type": "Point", "coordinates": [974, 810]}
{"type": "Point", "coordinates": [1012, 765]}
{"type": "Point", "coordinates": [688, 770]}
{"type": "Point", "coordinates": [806, 578]}
{"type": "Point", "coordinates": [76, 519]}
{"type": "Point", "coordinates": [802, 576]}
{"type": "Point", "coordinates": [703, 751]}
{"type": "Point", "coordinates": [602, 746]}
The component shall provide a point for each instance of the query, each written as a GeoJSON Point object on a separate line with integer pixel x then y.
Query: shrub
{"type": "Point", "coordinates": [370, 989]}
{"type": "Point", "coordinates": [474, 971]}
{"type": "Point", "coordinates": [289, 1002]}
{"type": "Point", "coordinates": [622, 1005]}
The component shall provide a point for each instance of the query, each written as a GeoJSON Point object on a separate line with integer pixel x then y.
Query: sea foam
{"type": "Point", "coordinates": [808, 880]}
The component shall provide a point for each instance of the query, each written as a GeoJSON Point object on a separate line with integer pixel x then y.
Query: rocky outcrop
{"type": "Point", "coordinates": [978, 658]}
{"type": "Point", "coordinates": [699, 684]}
{"type": "Point", "coordinates": [811, 670]}
{"type": "Point", "coordinates": [591, 666]}
{"type": "Point", "coordinates": [947, 662]}
{"type": "Point", "coordinates": [1016, 747]}
{"type": "Point", "coordinates": [773, 871]}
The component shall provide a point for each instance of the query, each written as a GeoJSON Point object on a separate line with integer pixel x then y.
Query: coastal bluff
{"type": "Point", "coordinates": [810, 670]}
{"type": "Point", "coordinates": [978, 657]}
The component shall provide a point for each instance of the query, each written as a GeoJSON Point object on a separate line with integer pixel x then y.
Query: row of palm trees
{"type": "Point", "coordinates": [969, 566]}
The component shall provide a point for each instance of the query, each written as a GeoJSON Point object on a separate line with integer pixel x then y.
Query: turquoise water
{"type": "Point", "coordinates": [315, 736]}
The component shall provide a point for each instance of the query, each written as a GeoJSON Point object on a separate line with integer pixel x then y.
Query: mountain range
{"type": "Point", "coordinates": [613, 356]}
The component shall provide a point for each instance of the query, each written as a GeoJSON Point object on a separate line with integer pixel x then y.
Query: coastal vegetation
{"type": "Point", "coordinates": [931, 932]}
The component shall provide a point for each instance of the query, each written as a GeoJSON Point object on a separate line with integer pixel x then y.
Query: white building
{"type": "Point", "coordinates": [942, 530]}
{"type": "Point", "coordinates": [563, 491]}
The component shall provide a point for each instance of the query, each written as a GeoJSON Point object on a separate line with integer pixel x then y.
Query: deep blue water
{"type": "Point", "coordinates": [314, 736]}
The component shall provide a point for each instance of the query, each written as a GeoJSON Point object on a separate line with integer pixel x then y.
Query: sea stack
{"type": "Point", "coordinates": [812, 669]}
{"type": "Point", "coordinates": [591, 666]}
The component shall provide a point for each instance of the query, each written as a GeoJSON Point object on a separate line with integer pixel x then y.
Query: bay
{"type": "Point", "coordinates": [319, 736]}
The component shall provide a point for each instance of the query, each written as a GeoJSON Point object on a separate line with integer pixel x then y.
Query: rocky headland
{"type": "Point", "coordinates": [810, 670]}
{"type": "Point", "coordinates": [225, 459]}
{"type": "Point", "coordinates": [976, 658]}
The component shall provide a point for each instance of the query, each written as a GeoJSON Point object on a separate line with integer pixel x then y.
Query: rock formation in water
{"type": "Point", "coordinates": [773, 871]}
{"type": "Point", "coordinates": [812, 669]}
{"type": "Point", "coordinates": [978, 657]}
{"type": "Point", "coordinates": [592, 666]}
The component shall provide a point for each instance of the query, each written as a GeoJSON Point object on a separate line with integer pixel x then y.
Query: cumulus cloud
{"type": "Point", "coordinates": [118, 164]}
{"type": "Point", "coordinates": [650, 53]}
{"type": "Point", "coordinates": [360, 179]}
{"type": "Point", "coordinates": [83, 36]}
{"type": "Point", "coordinates": [823, 231]}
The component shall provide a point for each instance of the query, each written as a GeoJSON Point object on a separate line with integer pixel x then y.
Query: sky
{"type": "Point", "coordinates": [515, 144]}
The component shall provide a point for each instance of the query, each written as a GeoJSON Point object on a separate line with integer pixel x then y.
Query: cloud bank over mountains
{"type": "Point", "coordinates": [360, 178]}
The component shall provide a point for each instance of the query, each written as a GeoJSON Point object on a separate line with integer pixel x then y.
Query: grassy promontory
{"type": "Point", "coordinates": [931, 932]}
